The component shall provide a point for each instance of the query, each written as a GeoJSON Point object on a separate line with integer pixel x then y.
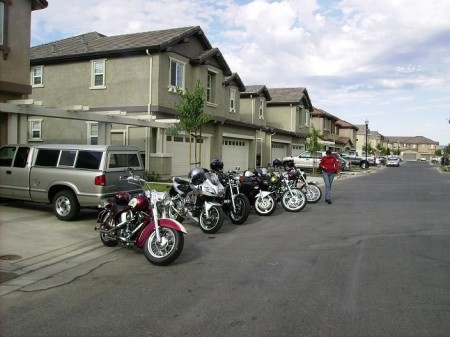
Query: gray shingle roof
{"type": "Point", "coordinates": [282, 96]}
{"type": "Point", "coordinates": [96, 43]}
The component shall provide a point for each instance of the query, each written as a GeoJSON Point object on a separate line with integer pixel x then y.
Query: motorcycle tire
{"type": "Point", "coordinates": [168, 250]}
{"type": "Point", "coordinates": [242, 206]}
{"type": "Point", "coordinates": [265, 206]}
{"type": "Point", "coordinates": [293, 201]}
{"type": "Point", "coordinates": [214, 222]}
{"type": "Point", "coordinates": [313, 193]}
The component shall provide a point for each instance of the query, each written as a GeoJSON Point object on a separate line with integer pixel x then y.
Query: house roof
{"type": "Point", "coordinates": [235, 80]}
{"type": "Point", "coordinates": [38, 4]}
{"type": "Point", "coordinates": [410, 140]}
{"type": "Point", "coordinates": [256, 90]}
{"type": "Point", "coordinates": [344, 140]}
{"type": "Point", "coordinates": [284, 96]}
{"type": "Point", "coordinates": [346, 125]}
{"type": "Point", "coordinates": [95, 44]}
{"type": "Point", "coordinates": [322, 114]}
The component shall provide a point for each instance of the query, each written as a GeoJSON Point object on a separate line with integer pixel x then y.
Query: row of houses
{"type": "Point", "coordinates": [98, 89]}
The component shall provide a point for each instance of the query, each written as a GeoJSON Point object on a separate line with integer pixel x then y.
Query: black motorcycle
{"type": "Point", "coordinates": [235, 204]}
{"type": "Point", "coordinates": [256, 186]}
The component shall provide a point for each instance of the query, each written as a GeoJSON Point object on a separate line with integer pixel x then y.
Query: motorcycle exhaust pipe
{"type": "Point", "coordinates": [110, 231]}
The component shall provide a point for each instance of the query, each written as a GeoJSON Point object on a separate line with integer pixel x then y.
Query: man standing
{"type": "Point", "coordinates": [330, 166]}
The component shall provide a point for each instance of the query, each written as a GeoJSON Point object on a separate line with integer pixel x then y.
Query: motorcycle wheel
{"type": "Point", "coordinates": [242, 206]}
{"type": "Point", "coordinates": [173, 207]}
{"type": "Point", "coordinates": [294, 202]}
{"type": "Point", "coordinates": [313, 193]}
{"type": "Point", "coordinates": [165, 252]}
{"type": "Point", "coordinates": [214, 222]}
{"type": "Point", "coordinates": [265, 206]}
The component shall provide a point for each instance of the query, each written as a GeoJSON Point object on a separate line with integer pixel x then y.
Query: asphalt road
{"type": "Point", "coordinates": [376, 262]}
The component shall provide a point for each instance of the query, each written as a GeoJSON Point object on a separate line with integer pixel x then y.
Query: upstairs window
{"type": "Point", "coordinates": [176, 74]}
{"type": "Point", "coordinates": [37, 76]}
{"type": "Point", "coordinates": [232, 100]}
{"type": "Point", "coordinates": [261, 108]}
{"type": "Point", "coordinates": [98, 74]}
{"type": "Point", "coordinates": [211, 87]}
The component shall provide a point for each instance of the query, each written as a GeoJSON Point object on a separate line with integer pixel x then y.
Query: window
{"type": "Point", "coordinates": [211, 87]}
{"type": "Point", "coordinates": [7, 155]}
{"type": "Point", "coordinates": [48, 158]}
{"type": "Point", "coordinates": [261, 108]}
{"type": "Point", "coordinates": [21, 157]}
{"type": "Point", "coordinates": [92, 133]}
{"type": "Point", "coordinates": [98, 74]}
{"type": "Point", "coordinates": [232, 100]}
{"type": "Point", "coordinates": [176, 74]}
{"type": "Point", "coordinates": [67, 158]}
{"type": "Point", "coordinates": [37, 76]}
{"type": "Point", "coordinates": [4, 5]}
{"type": "Point", "coordinates": [123, 160]}
{"type": "Point", "coordinates": [89, 160]}
{"type": "Point", "coordinates": [35, 129]}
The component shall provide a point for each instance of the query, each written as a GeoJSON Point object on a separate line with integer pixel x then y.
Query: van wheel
{"type": "Point", "coordinates": [65, 205]}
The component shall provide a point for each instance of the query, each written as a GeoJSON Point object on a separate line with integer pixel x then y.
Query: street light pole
{"type": "Point", "coordinates": [367, 148]}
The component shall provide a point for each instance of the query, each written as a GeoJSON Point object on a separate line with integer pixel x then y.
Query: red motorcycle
{"type": "Point", "coordinates": [141, 222]}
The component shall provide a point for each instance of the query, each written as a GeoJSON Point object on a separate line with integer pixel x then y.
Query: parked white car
{"type": "Point", "coordinates": [393, 161]}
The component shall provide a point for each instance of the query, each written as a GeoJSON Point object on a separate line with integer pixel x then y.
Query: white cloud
{"type": "Point", "coordinates": [350, 54]}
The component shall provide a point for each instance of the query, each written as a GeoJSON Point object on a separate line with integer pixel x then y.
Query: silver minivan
{"type": "Point", "coordinates": [66, 175]}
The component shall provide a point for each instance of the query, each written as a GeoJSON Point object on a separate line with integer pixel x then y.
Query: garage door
{"type": "Point", "coordinates": [235, 153]}
{"type": "Point", "coordinates": [178, 146]}
{"type": "Point", "coordinates": [279, 150]}
{"type": "Point", "coordinates": [409, 156]}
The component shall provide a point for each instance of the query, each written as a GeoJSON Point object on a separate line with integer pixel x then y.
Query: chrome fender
{"type": "Point", "coordinates": [165, 222]}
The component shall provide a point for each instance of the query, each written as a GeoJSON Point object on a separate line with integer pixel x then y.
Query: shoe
{"type": "Point", "coordinates": [329, 202]}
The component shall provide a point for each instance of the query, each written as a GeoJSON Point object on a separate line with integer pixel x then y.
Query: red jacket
{"type": "Point", "coordinates": [330, 164]}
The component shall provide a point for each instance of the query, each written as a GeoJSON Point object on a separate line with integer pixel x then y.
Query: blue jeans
{"type": "Point", "coordinates": [328, 179]}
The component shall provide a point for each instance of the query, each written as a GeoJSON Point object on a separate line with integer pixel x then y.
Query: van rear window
{"type": "Point", "coordinates": [89, 160]}
{"type": "Point", "coordinates": [123, 160]}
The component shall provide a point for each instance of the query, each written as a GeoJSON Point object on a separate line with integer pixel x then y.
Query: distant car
{"type": "Point", "coordinates": [380, 160]}
{"type": "Point", "coordinates": [393, 161]}
{"type": "Point", "coordinates": [423, 159]}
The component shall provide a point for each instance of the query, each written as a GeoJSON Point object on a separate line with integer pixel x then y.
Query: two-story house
{"type": "Point", "coordinates": [412, 148]}
{"type": "Point", "coordinates": [289, 110]}
{"type": "Point", "coordinates": [15, 30]}
{"type": "Point", "coordinates": [138, 76]}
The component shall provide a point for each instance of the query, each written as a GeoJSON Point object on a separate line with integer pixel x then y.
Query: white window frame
{"type": "Point", "coordinates": [261, 108]}
{"type": "Point", "coordinates": [2, 22]}
{"type": "Point", "coordinates": [211, 88]}
{"type": "Point", "coordinates": [233, 100]}
{"type": "Point", "coordinates": [34, 76]}
{"type": "Point", "coordinates": [35, 125]}
{"type": "Point", "coordinates": [94, 74]}
{"type": "Point", "coordinates": [91, 135]}
{"type": "Point", "coordinates": [180, 69]}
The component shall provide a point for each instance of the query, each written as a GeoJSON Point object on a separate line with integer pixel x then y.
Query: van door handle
{"type": "Point", "coordinates": [8, 172]}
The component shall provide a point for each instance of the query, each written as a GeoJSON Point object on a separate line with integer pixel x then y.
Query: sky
{"type": "Point", "coordinates": [385, 61]}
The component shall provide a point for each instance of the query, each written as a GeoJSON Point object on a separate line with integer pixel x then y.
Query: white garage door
{"type": "Point", "coordinates": [235, 153]}
{"type": "Point", "coordinates": [279, 150]}
{"type": "Point", "coordinates": [178, 146]}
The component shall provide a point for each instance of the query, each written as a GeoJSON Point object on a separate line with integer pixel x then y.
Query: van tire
{"type": "Point", "coordinates": [65, 205]}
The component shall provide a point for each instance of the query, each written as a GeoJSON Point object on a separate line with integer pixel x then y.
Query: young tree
{"type": "Point", "coordinates": [191, 117]}
{"type": "Point", "coordinates": [313, 144]}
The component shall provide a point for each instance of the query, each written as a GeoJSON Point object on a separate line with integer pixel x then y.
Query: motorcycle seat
{"type": "Point", "coordinates": [180, 181]}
